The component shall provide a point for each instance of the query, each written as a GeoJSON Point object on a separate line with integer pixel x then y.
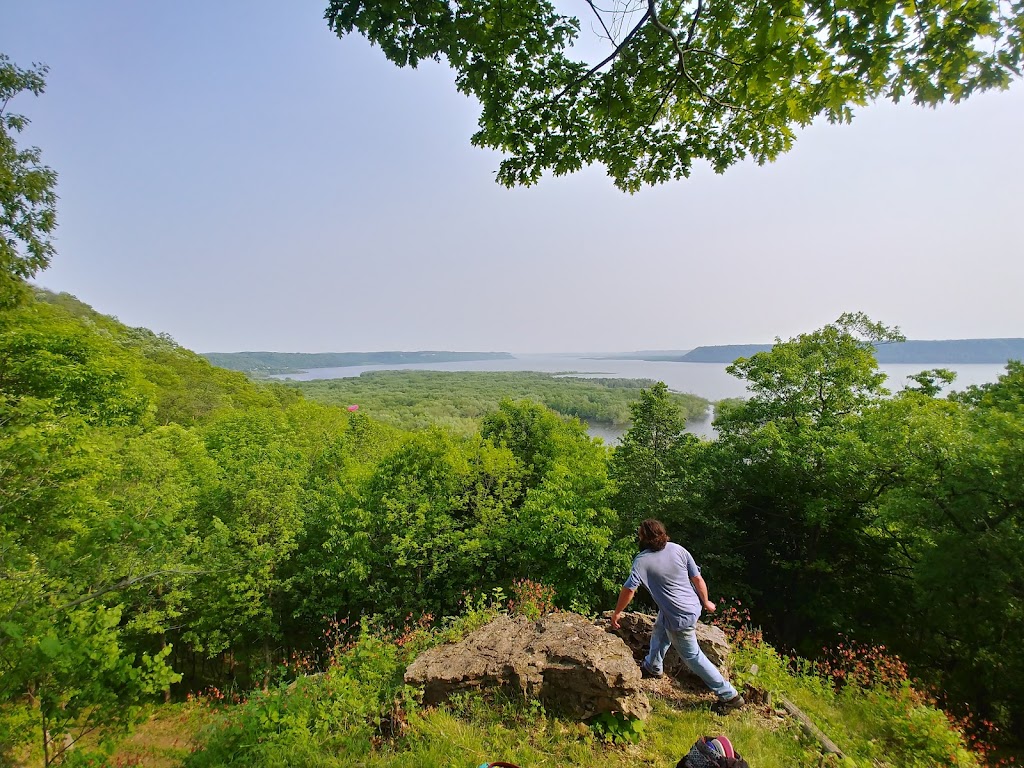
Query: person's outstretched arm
{"type": "Point", "coordinates": [701, 589]}
{"type": "Point", "coordinates": [625, 597]}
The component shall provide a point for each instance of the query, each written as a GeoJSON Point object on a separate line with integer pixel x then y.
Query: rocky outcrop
{"type": "Point", "coordinates": [635, 630]}
{"type": "Point", "coordinates": [562, 659]}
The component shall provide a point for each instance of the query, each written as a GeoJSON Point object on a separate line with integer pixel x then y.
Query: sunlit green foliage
{"type": "Point", "coordinates": [105, 508]}
{"type": "Point", "coordinates": [186, 389]}
{"type": "Point", "coordinates": [887, 518]}
{"type": "Point", "coordinates": [564, 532]}
{"type": "Point", "coordinates": [795, 474]}
{"type": "Point", "coordinates": [28, 200]}
{"type": "Point", "coordinates": [163, 519]}
{"type": "Point", "coordinates": [70, 401]}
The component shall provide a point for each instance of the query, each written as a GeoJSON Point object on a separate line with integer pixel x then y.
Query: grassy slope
{"type": "Point", "coordinates": [314, 725]}
{"type": "Point", "coordinates": [477, 734]}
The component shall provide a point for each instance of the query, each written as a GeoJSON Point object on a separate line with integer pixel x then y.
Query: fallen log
{"type": "Point", "coordinates": [811, 729]}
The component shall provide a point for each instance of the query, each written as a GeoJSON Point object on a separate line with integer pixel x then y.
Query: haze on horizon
{"type": "Point", "coordinates": [233, 174]}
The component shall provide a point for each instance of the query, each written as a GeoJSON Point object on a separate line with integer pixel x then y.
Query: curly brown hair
{"type": "Point", "coordinates": [652, 535]}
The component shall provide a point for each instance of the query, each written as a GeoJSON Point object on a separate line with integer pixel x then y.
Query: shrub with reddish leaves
{"type": "Point", "coordinates": [862, 665]}
{"type": "Point", "coordinates": [734, 619]}
{"type": "Point", "coordinates": [531, 598]}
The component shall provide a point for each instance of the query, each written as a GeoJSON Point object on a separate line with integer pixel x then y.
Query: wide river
{"type": "Point", "coordinates": [709, 380]}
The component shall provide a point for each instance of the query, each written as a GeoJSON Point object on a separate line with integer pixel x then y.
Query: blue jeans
{"type": "Point", "coordinates": [685, 641]}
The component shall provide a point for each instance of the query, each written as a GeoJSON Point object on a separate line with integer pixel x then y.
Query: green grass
{"type": "Point", "coordinates": [451, 738]}
{"type": "Point", "coordinates": [472, 731]}
{"type": "Point", "coordinates": [164, 740]}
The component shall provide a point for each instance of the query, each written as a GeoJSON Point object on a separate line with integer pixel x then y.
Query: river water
{"type": "Point", "coordinates": [709, 380]}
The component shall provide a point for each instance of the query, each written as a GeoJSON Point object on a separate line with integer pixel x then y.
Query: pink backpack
{"type": "Point", "coordinates": [712, 752]}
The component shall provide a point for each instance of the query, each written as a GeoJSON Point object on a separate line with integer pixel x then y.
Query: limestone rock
{"type": "Point", "coordinates": [562, 659]}
{"type": "Point", "coordinates": [635, 630]}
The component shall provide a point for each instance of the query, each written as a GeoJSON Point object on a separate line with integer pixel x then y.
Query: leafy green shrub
{"type": "Point", "coordinates": [615, 728]}
{"type": "Point", "coordinates": [317, 718]}
{"type": "Point", "coordinates": [902, 723]}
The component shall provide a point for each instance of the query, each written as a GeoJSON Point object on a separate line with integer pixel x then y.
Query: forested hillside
{"type": "Point", "coordinates": [168, 525]}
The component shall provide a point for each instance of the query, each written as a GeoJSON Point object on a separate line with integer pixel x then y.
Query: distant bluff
{"type": "Point", "coordinates": [951, 352]}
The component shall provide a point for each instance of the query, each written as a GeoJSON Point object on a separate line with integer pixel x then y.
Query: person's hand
{"type": "Point", "coordinates": [615, 620]}
{"type": "Point", "coordinates": [709, 607]}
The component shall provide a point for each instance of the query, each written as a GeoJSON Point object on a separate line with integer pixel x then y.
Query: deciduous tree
{"type": "Point", "coordinates": [685, 80]}
{"type": "Point", "coordinates": [28, 202]}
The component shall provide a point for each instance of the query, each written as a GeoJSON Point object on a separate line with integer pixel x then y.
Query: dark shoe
{"type": "Point", "coordinates": [646, 674]}
{"type": "Point", "coordinates": [730, 705]}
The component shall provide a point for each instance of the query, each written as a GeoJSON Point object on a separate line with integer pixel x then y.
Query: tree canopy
{"type": "Point", "coordinates": [684, 81]}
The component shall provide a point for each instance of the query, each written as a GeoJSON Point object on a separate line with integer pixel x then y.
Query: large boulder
{"type": "Point", "coordinates": [562, 659]}
{"type": "Point", "coordinates": [635, 629]}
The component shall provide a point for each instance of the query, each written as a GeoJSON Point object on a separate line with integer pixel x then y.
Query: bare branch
{"type": "Point", "coordinates": [614, 54]}
{"type": "Point", "coordinates": [715, 54]}
{"type": "Point", "coordinates": [600, 18]}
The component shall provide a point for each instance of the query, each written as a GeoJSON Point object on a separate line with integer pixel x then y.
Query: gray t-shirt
{"type": "Point", "coordinates": [667, 574]}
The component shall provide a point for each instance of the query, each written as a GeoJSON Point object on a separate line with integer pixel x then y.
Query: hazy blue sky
{"type": "Point", "coordinates": [233, 174]}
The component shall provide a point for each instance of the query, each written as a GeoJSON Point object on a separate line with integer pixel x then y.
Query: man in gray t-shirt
{"type": "Point", "coordinates": [672, 577]}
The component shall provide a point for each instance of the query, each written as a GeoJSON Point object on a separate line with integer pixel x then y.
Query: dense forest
{"type": "Point", "coordinates": [418, 399]}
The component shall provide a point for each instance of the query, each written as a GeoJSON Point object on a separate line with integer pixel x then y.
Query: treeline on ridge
{"type": "Point", "coordinates": [266, 363]}
{"type": "Point", "coordinates": [907, 352]}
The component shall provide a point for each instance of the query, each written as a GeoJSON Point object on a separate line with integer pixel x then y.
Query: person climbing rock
{"type": "Point", "coordinates": [672, 577]}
